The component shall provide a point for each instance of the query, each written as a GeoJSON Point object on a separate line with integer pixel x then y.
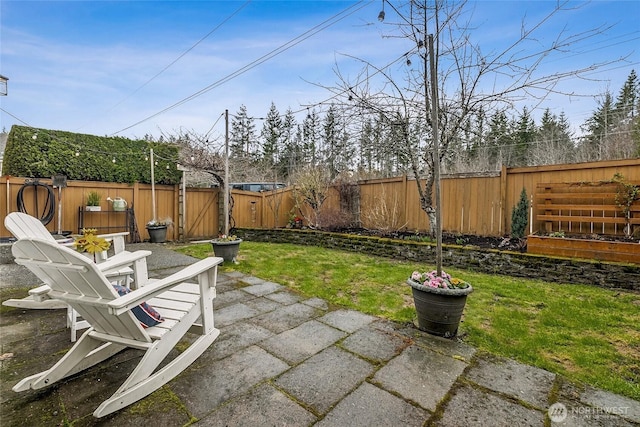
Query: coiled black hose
{"type": "Point", "coordinates": [50, 202]}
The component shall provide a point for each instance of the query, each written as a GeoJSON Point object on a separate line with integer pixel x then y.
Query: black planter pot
{"type": "Point", "coordinates": [226, 250]}
{"type": "Point", "coordinates": [439, 310]}
{"type": "Point", "coordinates": [157, 233]}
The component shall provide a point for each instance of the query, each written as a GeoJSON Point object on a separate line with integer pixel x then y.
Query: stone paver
{"type": "Point", "coordinates": [224, 299]}
{"type": "Point", "coordinates": [529, 384]}
{"type": "Point", "coordinates": [234, 338]}
{"type": "Point", "coordinates": [375, 344]}
{"type": "Point", "coordinates": [446, 346]}
{"type": "Point", "coordinates": [285, 298]}
{"type": "Point", "coordinates": [612, 403]}
{"type": "Point", "coordinates": [233, 313]}
{"type": "Point", "coordinates": [347, 320]}
{"type": "Point", "coordinates": [263, 305]}
{"type": "Point", "coordinates": [317, 303]}
{"type": "Point", "coordinates": [420, 375]}
{"type": "Point", "coordinates": [250, 280]}
{"type": "Point", "coordinates": [577, 414]}
{"type": "Point", "coordinates": [263, 288]}
{"type": "Point", "coordinates": [370, 406]}
{"type": "Point", "coordinates": [325, 378]}
{"type": "Point", "coordinates": [472, 408]}
{"type": "Point", "coordinates": [286, 317]}
{"type": "Point", "coordinates": [204, 389]}
{"type": "Point", "coordinates": [297, 344]}
{"type": "Point", "coordinates": [263, 406]}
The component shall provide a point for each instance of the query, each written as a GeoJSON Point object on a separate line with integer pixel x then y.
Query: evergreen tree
{"type": "Point", "coordinates": [242, 135]}
{"type": "Point", "coordinates": [330, 139]}
{"type": "Point", "coordinates": [498, 140]}
{"type": "Point", "coordinates": [523, 136]}
{"type": "Point", "coordinates": [379, 144]}
{"type": "Point", "coordinates": [311, 139]}
{"type": "Point", "coordinates": [344, 151]}
{"type": "Point", "coordinates": [366, 147]}
{"type": "Point", "coordinates": [477, 141]}
{"type": "Point", "coordinates": [271, 131]}
{"type": "Point", "coordinates": [626, 106]}
{"type": "Point", "coordinates": [520, 216]}
{"type": "Point", "coordinates": [553, 143]}
{"type": "Point", "coordinates": [291, 151]}
{"type": "Point", "coordinates": [598, 128]}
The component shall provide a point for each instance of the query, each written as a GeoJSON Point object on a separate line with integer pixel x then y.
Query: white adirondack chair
{"type": "Point", "coordinates": [23, 226]}
{"type": "Point", "coordinates": [76, 280]}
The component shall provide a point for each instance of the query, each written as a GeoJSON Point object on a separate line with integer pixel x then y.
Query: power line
{"type": "Point", "coordinates": [283, 48]}
{"type": "Point", "coordinates": [217, 27]}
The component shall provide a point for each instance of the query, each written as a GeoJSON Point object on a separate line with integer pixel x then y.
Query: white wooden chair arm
{"type": "Point", "coordinates": [39, 291]}
{"type": "Point", "coordinates": [123, 259]}
{"type": "Point", "coordinates": [116, 239]}
{"type": "Point", "coordinates": [110, 236]}
{"type": "Point", "coordinates": [134, 298]}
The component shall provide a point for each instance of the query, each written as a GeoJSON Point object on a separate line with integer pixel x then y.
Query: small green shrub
{"type": "Point", "coordinates": [520, 216]}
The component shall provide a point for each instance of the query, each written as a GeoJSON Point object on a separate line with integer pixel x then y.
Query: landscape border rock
{"type": "Point", "coordinates": [492, 261]}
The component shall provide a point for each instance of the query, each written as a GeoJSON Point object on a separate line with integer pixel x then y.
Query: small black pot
{"type": "Point", "coordinates": [157, 233]}
{"type": "Point", "coordinates": [226, 250]}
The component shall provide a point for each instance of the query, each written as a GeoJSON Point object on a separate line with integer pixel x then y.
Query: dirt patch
{"type": "Point", "coordinates": [484, 242]}
{"type": "Point", "coordinates": [505, 243]}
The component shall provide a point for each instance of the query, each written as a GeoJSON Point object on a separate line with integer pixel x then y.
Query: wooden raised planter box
{"type": "Point", "coordinates": [600, 250]}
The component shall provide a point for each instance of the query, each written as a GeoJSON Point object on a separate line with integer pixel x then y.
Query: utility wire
{"type": "Point", "coordinates": [283, 48]}
{"type": "Point", "coordinates": [217, 27]}
{"type": "Point", "coordinates": [188, 50]}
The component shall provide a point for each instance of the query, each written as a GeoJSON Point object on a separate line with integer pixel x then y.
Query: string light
{"type": "Point", "coordinates": [77, 148]}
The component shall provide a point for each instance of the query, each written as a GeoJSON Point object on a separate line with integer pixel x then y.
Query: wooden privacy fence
{"type": "Point", "coordinates": [479, 204]}
{"type": "Point", "coordinates": [197, 218]}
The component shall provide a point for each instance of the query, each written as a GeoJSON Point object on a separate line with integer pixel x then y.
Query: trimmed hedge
{"type": "Point", "coordinates": [43, 153]}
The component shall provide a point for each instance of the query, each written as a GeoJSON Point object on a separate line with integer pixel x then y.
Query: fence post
{"type": "Point", "coordinates": [404, 197]}
{"type": "Point", "coordinates": [176, 211]}
{"type": "Point", "coordinates": [502, 227]}
{"type": "Point", "coordinates": [262, 210]}
{"type": "Point", "coordinates": [134, 205]}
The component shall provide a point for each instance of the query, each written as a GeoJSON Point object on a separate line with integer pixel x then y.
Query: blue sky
{"type": "Point", "coordinates": [104, 68]}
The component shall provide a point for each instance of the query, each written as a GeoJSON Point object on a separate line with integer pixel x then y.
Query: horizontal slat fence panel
{"type": "Point", "coordinates": [517, 178]}
{"type": "Point", "coordinates": [583, 208]}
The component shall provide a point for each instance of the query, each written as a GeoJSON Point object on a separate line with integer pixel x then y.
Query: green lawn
{"type": "Point", "coordinates": [585, 333]}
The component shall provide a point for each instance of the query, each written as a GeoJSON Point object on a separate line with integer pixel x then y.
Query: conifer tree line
{"type": "Point", "coordinates": [370, 147]}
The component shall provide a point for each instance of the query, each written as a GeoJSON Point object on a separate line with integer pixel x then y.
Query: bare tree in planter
{"type": "Point", "coordinates": [471, 80]}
